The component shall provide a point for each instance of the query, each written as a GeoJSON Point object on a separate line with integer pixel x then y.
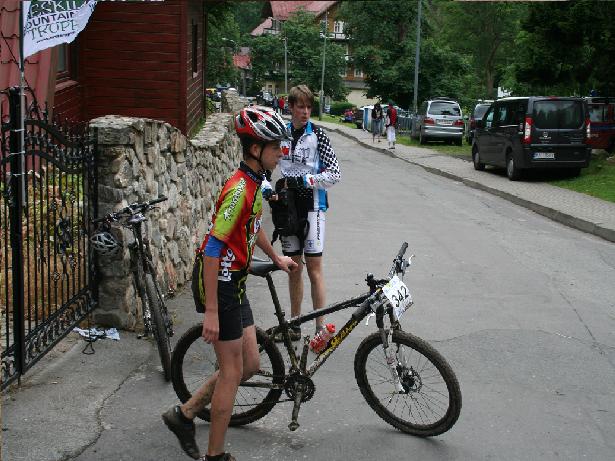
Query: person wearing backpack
{"type": "Point", "coordinates": [309, 167]}
{"type": "Point", "coordinates": [219, 288]}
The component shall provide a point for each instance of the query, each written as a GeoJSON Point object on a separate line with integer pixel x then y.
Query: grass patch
{"type": "Point", "coordinates": [464, 151]}
{"type": "Point", "coordinates": [333, 119]}
{"type": "Point", "coordinates": [597, 180]}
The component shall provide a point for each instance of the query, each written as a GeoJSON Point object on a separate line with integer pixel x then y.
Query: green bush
{"type": "Point", "coordinates": [338, 107]}
{"type": "Point", "coordinates": [315, 106]}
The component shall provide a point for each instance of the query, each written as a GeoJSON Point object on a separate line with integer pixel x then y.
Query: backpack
{"type": "Point", "coordinates": [197, 285]}
{"type": "Point", "coordinates": [285, 216]}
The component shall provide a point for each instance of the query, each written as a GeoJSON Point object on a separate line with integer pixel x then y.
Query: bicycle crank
{"type": "Point", "coordinates": [295, 382]}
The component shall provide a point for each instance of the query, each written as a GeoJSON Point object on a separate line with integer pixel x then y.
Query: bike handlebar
{"type": "Point", "coordinates": [399, 265]}
{"type": "Point", "coordinates": [402, 250]}
{"type": "Point", "coordinates": [130, 210]}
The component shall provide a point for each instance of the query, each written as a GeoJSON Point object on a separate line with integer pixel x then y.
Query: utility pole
{"type": "Point", "coordinates": [285, 66]}
{"type": "Point", "coordinates": [322, 78]}
{"type": "Point", "coordinates": [417, 57]}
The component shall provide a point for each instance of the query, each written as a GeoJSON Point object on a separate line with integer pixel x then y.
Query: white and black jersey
{"type": "Point", "coordinates": [310, 156]}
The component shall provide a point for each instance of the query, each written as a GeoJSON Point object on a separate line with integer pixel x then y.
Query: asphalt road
{"type": "Point", "coordinates": [523, 309]}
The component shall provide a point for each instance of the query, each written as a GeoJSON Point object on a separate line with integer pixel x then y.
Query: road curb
{"type": "Point", "coordinates": [555, 215]}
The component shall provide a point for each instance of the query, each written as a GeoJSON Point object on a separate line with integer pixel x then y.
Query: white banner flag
{"type": "Point", "coordinates": [49, 23]}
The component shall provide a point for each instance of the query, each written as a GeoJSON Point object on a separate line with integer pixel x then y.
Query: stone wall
{"type": "Point", "coordinates": [141, 159]}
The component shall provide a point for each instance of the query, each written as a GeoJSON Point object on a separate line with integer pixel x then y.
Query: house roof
{"type": "Point", "coordinates": [241, 61]}
{"type": "Point", "coordinates": [36, 66]}
{"type": "Point", "coordinates": [282, 10]}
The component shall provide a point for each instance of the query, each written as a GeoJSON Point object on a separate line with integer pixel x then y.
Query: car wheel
{"type": "Point", "coordinates": [574, 172]}
{"type": "Point", "coordinates": [478, 165]}
{"type": "Point", "coordinates": [422, 139]}
{"type": "Point", "coordinates": [512, 171]}
{"type": "Point", "coordinates": [611, 148]}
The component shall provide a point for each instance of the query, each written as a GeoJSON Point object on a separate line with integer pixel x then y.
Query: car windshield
{"type": "Point", "coordinates": [480, 110]}
{"type": "Point", "coordinates": [554, 114]}
{"type": "Point", "coordinates": [444, 108]}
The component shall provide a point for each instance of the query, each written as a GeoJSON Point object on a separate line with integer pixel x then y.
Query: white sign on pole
{"type": "Point", "coordinates": [49, 23]}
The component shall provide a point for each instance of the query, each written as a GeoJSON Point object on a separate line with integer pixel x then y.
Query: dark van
{"type": "Point", "coordinates": [533, 132]}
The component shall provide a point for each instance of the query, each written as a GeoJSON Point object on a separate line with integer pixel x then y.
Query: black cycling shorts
{"type": "Point", "coordinates": [234, 312]}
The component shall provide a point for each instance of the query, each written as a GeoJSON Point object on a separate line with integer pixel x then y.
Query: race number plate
{"type": "Point", "coordinates": [398, 294]}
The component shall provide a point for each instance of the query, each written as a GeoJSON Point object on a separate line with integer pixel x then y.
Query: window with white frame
{"type": "Point", "coordinates": [358, 72]}
{"type": "Point", "coordinates": [338, 27]}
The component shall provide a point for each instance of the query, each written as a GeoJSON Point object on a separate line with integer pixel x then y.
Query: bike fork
{"type": "Point", "coordinates": [391, 359]}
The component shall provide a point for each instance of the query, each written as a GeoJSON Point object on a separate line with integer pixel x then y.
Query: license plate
{"type": "Point", "coordinates": [445, 122]}
{"type": "Point", "coordinates": [399, 295]}
{"type": "Point", "coordinates": [544, 155]}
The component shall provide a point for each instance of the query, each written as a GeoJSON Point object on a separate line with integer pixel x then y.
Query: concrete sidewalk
{"type": "Point", "coordinates": [573, 209]}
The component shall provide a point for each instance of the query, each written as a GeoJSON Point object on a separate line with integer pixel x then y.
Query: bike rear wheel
{"type": "Point", "coordinates": [194, 361]}
{"type": "Point", "coordinates": [159, 327]}
{"type": "Point", "coordinates": [431, 401]}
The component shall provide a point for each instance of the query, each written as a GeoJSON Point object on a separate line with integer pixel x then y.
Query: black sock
{"type": "Point", "coordinates": [219, 457]}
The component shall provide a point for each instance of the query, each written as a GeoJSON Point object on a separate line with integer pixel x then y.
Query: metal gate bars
{"type": "Point", "coordinates": [47, 196]}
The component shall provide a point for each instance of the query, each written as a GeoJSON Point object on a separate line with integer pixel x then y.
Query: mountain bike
{"type": "Point", "coordinates": [156, 319]}
{"type": "Point", "coordinates": [402, 377]}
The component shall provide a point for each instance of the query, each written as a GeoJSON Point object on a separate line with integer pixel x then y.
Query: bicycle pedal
{"type": "Point", "coordinates": [293, 426]}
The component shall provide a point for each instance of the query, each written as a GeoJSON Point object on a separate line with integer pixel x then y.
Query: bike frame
{"type": "Point", "coordinates": [364, 303]}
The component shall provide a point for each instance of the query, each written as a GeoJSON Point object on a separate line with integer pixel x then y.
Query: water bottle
{"type": "Point", "coordinates": [320, 341]}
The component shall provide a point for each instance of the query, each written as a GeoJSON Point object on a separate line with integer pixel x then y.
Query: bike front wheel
{"type": "Point", "coordinates": [194, 361]}
{"type": "Point", "coordinates": [430, 401]}
{"type": "Point", "coordinates": [159, 327]}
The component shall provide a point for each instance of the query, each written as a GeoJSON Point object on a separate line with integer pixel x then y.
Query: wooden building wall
{"type": "Point", "coordinates": [194, 81]}
{"type": "Point", "coordinates": [136, 60]}
{"type": "Point", "coordinates": [130, 60]}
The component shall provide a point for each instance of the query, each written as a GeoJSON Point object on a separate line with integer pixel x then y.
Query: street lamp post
{"type": "Point", "coordinates": [285, 66]}
{"type": "Point", "coordinates": [417, 57]}
{"type": "Point", "coordinates": [224, 39]}
{"type": "Point", "coordinates": [322, 78]}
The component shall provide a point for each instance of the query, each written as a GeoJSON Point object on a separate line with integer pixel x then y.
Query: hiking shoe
{"type": "Point", "coordinates": [226, 457]}
{"type": "Point", "coordinates": [184, 431]}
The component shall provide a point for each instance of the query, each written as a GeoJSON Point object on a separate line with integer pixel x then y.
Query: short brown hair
{"type": "Point", "coordinates": [300, 93]}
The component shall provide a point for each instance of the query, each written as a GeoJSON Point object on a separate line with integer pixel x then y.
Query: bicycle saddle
{"type": "Point", "coordinates": [262, 267]}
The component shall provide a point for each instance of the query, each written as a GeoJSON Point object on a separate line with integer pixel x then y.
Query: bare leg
{"type": "Point", "coordinates": [202, 397]}
{"type": "Point", "coordinates": [230, 359]}
{"type": "Point", "coordinates": [315, 273]}
{"type": "Point", "coordinates": [295, 287]}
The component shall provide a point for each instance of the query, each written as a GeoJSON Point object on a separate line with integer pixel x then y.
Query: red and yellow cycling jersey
{"type": "Point", "coordinates": [236, 222]}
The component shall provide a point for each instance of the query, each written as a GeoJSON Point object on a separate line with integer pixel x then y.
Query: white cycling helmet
{"type": "Point", "coordinates": [104, 243]}
{"type": "Point", "coordinates": [261, 123]}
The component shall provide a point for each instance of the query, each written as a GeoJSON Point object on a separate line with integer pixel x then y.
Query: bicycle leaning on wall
{"type": "Point", "coordinates": [156, 319]}
{"type": "Point", "coordinates": [403, 378]}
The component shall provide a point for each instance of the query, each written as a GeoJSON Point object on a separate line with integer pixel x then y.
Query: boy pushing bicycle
{"type": "Point", "coordinates": [226, 253]}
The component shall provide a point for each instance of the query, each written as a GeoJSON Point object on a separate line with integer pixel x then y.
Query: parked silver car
{"type": "Point", "coordinates": [439, 119]}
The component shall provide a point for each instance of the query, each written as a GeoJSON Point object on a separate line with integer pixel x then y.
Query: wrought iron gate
{"type": "Point", "coordinates": [47, 196]}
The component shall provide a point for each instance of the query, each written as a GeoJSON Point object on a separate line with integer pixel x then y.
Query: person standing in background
{"type": "Point", "coordinates": [391, 124]}
{"type": "Point", "coordinates": [377, 117]}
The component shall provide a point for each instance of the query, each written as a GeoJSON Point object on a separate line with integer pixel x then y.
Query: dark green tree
{"type": "Point", "coordinates": [304, 55]}
{"type": "Point", "coordinates": [484, 32]}
{"type": "Point", "coordinates": [383, 42]}
{"type": "Point", "coordinates": [222, 40]}
{"type": "Point", "coordinates": [566, 48]}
